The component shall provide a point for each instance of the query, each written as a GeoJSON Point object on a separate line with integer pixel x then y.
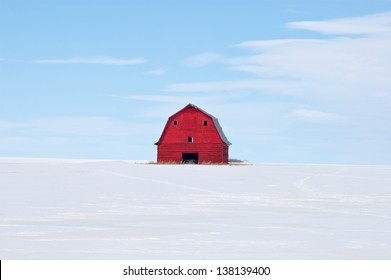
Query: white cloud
{"type": "Point", "coordinates": [202, 59]}
{"type": "Point", "coordinates": [158, 98]}
{"type": "Point", "coordinates": [236, 86]}
{"type": "Point", "coordinates": [339, 67]}
{"type": "Point", "coordinates": [79, 137]}
{"type": "Point", "coordinates": [266, 44]}
{"type": "Point", "coordinates": [183, 99]}
{"type": "Point", "coordinates": [339, 64]}
{"type": "Point", "coordinates": [156, 72]}
{"type": "Point", "coordinates": [93, 60]}
{"type": "Point", "coordinates": [317, 116]}
{"type": "Point", "coordinates": [82, 126]}
{"type": "Point", "coordinates": [371, 24]}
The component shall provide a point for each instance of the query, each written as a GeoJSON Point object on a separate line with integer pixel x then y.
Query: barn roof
{"type": "Point", "coordinates": [215, 121]}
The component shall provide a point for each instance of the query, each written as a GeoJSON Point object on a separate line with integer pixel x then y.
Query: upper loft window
{"type": "Point", "coordinates": [205, 123]}
{"type": "Point", "coordinates": [190, 139]}
{"type": "Point", "coordinates": [175, 122]}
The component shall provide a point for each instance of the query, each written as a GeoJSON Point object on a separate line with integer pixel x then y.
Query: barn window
{"type": "Point", "coordinates": [175, 122]}
{"type": "Point", "coordinates": [205, 123]}
{"type": "Point", "coordinates": [190, 139]}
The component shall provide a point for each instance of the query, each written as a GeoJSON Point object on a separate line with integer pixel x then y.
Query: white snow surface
{"type": "Point", "coordinates": [90, 209]}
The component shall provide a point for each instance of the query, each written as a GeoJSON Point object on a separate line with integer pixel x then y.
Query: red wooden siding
{"type": "Point", "coordinates": [194, 131]}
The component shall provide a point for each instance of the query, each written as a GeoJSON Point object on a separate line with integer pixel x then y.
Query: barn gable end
{"type": "Point", "coordinates": [192, 135]}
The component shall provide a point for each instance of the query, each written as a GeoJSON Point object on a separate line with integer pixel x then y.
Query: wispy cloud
{"type": "Point", "coordinates": [77, 137]}
{"type": "Point", "coordinates": [334, 67]}
{"type": "Point", "coordinates": [157, 98]}
{"type": "Point", "coordinates": [93, 60]}
{"type": "Point", "coordinates": [202, 59]}
{"type": "Point", "coordinates": [371, 24]}
{"type": "Point", "coordinates": [182, 99]}
{"type": "Point", "coordinates": [266, 44]}
{"type": "Point", "coordinates": [83, 126]}
{"type": "Point", "coordinates": [156, 72]}
{"type": "Point", "coordinates": [316, 116]}
{"type": "Point", "coordinates": [345, 61]}
{"type": "Point", "coordinates": [236, 86]}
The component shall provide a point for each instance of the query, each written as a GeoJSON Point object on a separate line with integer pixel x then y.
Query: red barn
{"type": "Point", "coordinates": [192, 136]}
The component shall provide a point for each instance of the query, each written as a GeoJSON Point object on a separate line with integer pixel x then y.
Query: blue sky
{"type": "Point", "coordinates": [295, 81]}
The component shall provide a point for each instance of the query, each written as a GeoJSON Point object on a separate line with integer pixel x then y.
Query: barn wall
{"type": "Point", "coordinates": [207, 153]}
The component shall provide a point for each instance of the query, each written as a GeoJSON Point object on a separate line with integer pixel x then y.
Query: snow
{"type": "Point", "coordinates": [90, 209]}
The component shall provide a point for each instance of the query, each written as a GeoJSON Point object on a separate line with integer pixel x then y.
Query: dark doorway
{"type": "Point", "coordinates": [190, 158]}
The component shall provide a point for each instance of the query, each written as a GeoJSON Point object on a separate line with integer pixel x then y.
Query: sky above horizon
{"type": "Point", "coordinates": [299, 81]}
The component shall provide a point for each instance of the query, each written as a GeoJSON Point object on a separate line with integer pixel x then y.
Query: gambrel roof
{"type": "Point", "coordinates": [215, 121]}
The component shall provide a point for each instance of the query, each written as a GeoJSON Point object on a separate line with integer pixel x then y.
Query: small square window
{"type": "Point", "coordinates": [175, 122]}
{"type": "Point", "coordinates": [190, 139]}
{"type": "Point", "coordinates": [205, 123]}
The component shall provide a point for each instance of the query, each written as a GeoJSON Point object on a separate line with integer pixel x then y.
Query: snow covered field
{"type": "Point", "coordinates": [80, 209]}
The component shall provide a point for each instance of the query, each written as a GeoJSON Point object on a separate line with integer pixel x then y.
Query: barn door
{"type": "Point", "coordinates": [190, 158]}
